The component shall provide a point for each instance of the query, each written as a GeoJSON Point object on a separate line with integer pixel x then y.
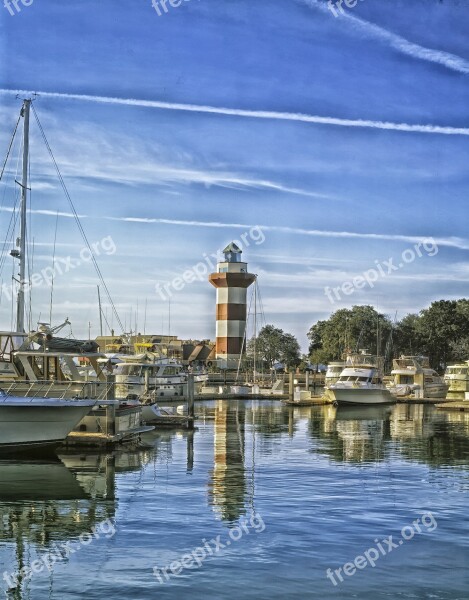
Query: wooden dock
{"type": "Point", "coordinates": [229, 396]}
{"type": "Point", "coordinates": [173, 422]}
{"type": "Point", "coordinates": [460, 406]}
{"type": "Point", "coordinates": [313, 401]}
{"type": "Point", "coordinates": [92, 439]}
{"type": "Point", "coordinates": [412, 400]}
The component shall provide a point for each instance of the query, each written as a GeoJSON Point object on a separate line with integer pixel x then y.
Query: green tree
{"type": "Point", "coordinates": [407, 337]}
{"type": "Point", "coordinates": [442, 328]}
{"type": "Point", "coordinates": [348, 330]}
{"type": "Point", "coordinates": [274, 345]}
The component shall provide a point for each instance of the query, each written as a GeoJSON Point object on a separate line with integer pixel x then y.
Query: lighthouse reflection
{"type": "Point", "coordinates": [242, 431]}
{"type": "Point", "coordinates": [227, 486]}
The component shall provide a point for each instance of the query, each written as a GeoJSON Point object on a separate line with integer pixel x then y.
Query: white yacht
{"type": "Point", "coordinates": [457, 380]}
{"type": "Point", "coordinates": [31, 423]}
{"type": "Point", "coordinates": [361, 382]}
{"type": "Point", "coordinates": [161, 377]}
{"type": "Point", "coordinates": [333, 372]}
{"type": "Point", "coordinates": [413, 376]}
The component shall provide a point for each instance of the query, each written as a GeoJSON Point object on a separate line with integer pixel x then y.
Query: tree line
{"type": "Point", "coordinates": [440, 332]}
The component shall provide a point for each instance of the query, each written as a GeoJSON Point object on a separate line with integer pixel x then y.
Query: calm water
{"type": "Point", "coordinates": [294, 492]}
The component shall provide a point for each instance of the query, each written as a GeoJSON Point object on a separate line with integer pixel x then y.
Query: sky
{"type": "Point", "coordinates": [334, 145]}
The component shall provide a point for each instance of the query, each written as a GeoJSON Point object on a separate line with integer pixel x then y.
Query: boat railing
{"type": "Point", "coordinates": [411, 362]}
{"type": "Point", "coordinates": [59, 389]}
{"type": "Point", "coordinates": [356, 360]}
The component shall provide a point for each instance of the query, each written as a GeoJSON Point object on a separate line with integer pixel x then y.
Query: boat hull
{"type": "Point", "coordinates": [27, 424]}
{"type": "Point", "coordinates": [362, 396]}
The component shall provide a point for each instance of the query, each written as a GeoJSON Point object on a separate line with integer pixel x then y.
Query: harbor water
{"type": "Point", "coordinates": [262, 501]}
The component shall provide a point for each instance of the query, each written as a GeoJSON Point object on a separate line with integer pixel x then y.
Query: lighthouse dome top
{"type": "Point", "coordinates": [232, 253]}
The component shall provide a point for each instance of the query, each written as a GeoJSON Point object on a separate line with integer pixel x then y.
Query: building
{"type": "Point", "coordinates": [231, 281]}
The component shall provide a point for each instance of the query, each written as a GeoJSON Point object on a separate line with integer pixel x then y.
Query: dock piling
{"type": "Point", "coordinates": [111, 409]}
{"type": "Point", "coordinates": [291, 386]}
{"type": "Point", "coordinates": [190, 400]}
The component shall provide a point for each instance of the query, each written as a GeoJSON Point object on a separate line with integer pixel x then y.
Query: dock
{"type": "Point", "coordinates": [461, 406]}
{"type": "Point", "coordinates": [104, 440]}
{"type": "Point", "coordinates": [313, 401]}
{"type": "Point", "coordinates": [412, 400]}
{"type": "Point", "coordinates": [173, 422]}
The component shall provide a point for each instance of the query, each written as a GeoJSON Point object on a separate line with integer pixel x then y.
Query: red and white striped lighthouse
{"type": "Point", "coordinates": [232, 281]}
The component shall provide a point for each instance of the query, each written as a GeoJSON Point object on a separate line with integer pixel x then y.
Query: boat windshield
{"type": "Point", "coordinates": [353, 378]}
{"type": "Point", "coordinates": [133, 370]}
{"type": "Point", "coordinates": [457, 371]}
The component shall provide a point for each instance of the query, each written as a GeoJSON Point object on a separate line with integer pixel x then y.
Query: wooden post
{"type": "Point", "coordinates": [190, 451]}
{"type": "Point", "coordinates": [291, 387]}
{"type": "Point", "coordinates": [190, 400]}
{"type": "Point", "coordinates": [111, 410]}
{"type": "Point", "coordinates": [307, 381]}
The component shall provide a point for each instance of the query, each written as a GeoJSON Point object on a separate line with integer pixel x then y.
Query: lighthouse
{"type": "Point", "coordinates": [232, 281]}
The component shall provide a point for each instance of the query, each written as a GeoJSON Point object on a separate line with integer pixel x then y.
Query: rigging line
{"type": "Point", "coordinates": [6, 241]}
{"type": "Point", "coordinates": [77, 219]}
{"type": "Point", "coordinates": [244, 343]}
{"type": "Point", "coordinates": [13, 218]}
{"type": "Point", "coordinates": [30, 255]}
{"type": "Point", "coordinates": [9, 147]}
{"type": "Point", "coordinates": [30, 311]}
{"type": "Point", "coordinates": [105, 320]}
{"type": "Point", "coordinates": [261, 303]}
{"type": "Point", "coordinates": [53, 268]}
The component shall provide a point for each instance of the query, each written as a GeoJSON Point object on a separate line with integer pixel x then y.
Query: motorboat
{"type": "Point", "coordinates": [31, 423]}
{"type": "Point", "coordinates": [141, 374]}
{"type": "Point", "coordinates": [457, 379]}
{"type": "Point", "coordinates": [413, 376]}
{"type": "Point", "coordinates": [333, 372]}
{"type": "Point", "coordinates": [361, 381]}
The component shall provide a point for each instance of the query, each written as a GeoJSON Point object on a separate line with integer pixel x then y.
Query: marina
{"type": "Point", "coordinates": [401, 459]}
{"type": "Point", "coordinates": [234, 331]}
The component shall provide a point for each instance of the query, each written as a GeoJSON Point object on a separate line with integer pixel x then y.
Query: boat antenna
{"type": "Point", "coordinates": [169, 317]}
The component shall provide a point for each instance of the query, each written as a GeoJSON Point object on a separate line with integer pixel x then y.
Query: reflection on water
{"type": "Point", "coordinates": [244, 454]}
{"type": "Point", "coordinates": [227, 488]}
{"type": "Point", "coordinates": [43, 502]}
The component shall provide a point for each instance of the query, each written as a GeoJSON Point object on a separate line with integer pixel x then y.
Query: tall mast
{"type": "Point", "coordinates": [24, 190]}
{"type": "Point", "coordinates": [255, 327]}
{"type": "Point", "coordinates": [100, 313]}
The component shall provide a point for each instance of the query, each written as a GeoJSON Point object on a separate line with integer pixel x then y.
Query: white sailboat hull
{"type": "Point", "coordinates": [27, 423]}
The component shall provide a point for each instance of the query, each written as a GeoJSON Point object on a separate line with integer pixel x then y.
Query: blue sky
{"type": "Point", "coordinates": [346, 138]}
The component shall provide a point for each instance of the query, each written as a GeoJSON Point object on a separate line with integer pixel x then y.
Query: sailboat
{"type": "Point", "coordinates": [34, 422]}
{"type": "Point", "coordinates": [248, 388]}
{"type": "Point", "coordinates": [256, 383]}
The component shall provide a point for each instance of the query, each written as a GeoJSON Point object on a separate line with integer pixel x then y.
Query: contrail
{"type": "Point", "coordinates": [451, 242]}
{"type": "Point", "coordinates": [252, 114]}
{"type": "Point", "coordinates": [399, 43]}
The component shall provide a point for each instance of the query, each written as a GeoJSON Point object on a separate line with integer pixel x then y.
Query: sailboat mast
{"type": "Point", "coordinates": [25, 111]}
{"type": "Point", "coordinates": [255, 328]}
{"type": "Point", "coordinates": [100, 313]}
